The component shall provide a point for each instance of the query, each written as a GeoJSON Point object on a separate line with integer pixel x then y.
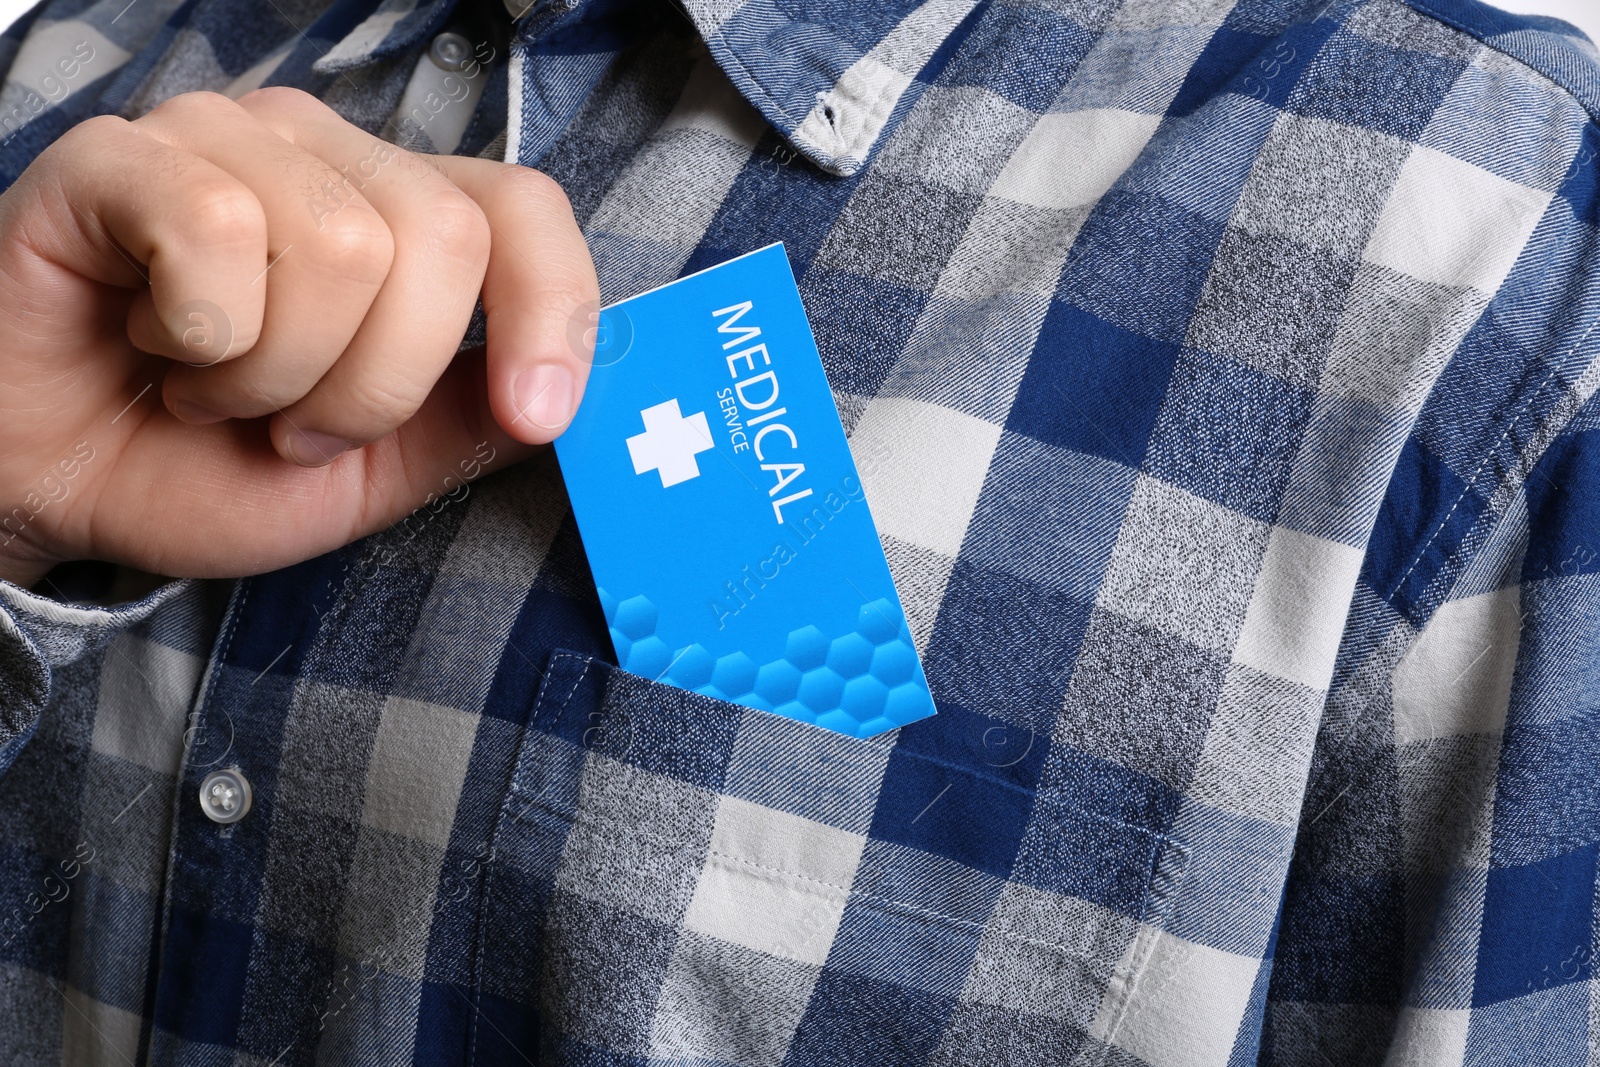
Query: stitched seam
{"type": "Point", "coordinates": [1472, 480]}
{"type": "Point", "coordinates": [904, 906]}
{"type": "Point", "coordinates": [512, 790]}
{"type": "Point", "coordinates": [870, 743]}
{"type": "Point", "coordinates": [1424, 8]}
{"type": "Point", "coordinates": [575, 683]}
{"type": "Point", "coordinates": [1175, 856]}
{"type": "Point", "coordinates": [543, 714]}
{"type": "Point", "coordinates": [164, 901]}
{"type": "Point", "coordinates": [593, 821]}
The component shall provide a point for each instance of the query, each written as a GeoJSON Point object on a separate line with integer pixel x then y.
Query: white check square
{"type": "Point", "coordinates": [1451, 223]}
{"type": "Point", "coordinates": [774, 882]}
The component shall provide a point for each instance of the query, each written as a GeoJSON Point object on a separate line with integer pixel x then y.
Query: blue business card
{"type": "Point", "coordinates": [721, 510]}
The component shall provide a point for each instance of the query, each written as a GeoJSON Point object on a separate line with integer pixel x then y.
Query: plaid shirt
{"type": "Point", "coordinates": [1219, 374]}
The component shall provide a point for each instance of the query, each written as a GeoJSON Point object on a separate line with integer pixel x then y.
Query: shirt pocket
{"type": "Point", "coordinates": [678, 879]}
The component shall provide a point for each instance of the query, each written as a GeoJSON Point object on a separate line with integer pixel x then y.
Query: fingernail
{"type": "Point", "coordinates": [543, 395]}
{"type": "Point", "coordinates": [312, 449]}
{"type": "Point", "coordinates": [192, 412]}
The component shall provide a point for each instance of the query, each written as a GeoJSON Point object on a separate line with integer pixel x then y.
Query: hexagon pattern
{"type": "Point", "coordinates": [859, 683]}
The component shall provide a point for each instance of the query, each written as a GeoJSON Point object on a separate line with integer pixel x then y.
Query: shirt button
{"type": "Point", "coordinates": [450, 51]}
{"type": "Point", "coordinates": [225, 795]}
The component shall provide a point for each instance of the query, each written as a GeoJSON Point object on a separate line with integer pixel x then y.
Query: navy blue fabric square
{"type": "Point", "coordinates": [1262, 66]}
{"type": "Point", "coordinates": [1228, 52]}
{"type": "Point", "coordinates": [863, 25]}
{"type": "Point", "coordinates": [775, 197]}
{"type": "Point", "coordinates": [34, 793]}
{"type": "Point", "coordinates": [851, 1021]}
{"type": "Point", "coordinates": [991, 747]}
{"type": "Point", "coordinates": [558, 613]}
{"type": "Point", "coordinates": [1073, 853]}
{"type": "Point", "coordinates": [1274, 16]}
{"type": "Point", "coordinates": [494, 746]}
{"type": "Point", "coordinates": [204, 969]}
{"type": "Point", "coordinates": [285, 611]}
{"type": "Point", "coordinates": [1229, 434]}
{"type": "Point", "coordinates": [500, 1033]}
{"type": "Point", "coordinates": [1342, 85]}
{"type": "Point", "coordinates": [32, 934]}
{"type": "Point", "coordinates": [1564, 509]}
{"type": "Point", "coordinates": [1042, 48]}
{"type": "Point", "coordinates": [1140, 263]}
{"type": "Point", "coordinates": [1092, 386]}
{"type": "Point", "coordinates": [519, 672]}
{"type": "Point", "coordinates": [663, 729]}
{"type": "Point", "coordinates": [444, 1022]}
{"type": "Point", "coordinates": [1342, 940]}
{"type": "Point", "coordinates": [861, 325]}
{"type": "Point", "coordinates": [951, 811]}
{"type": "Point", "coordinates": [1535, 919]}
{"type": "Point", "coordinates": [986, 618]}
{"type": "Point", "coordinates": [23, 145]}
{"type": "Point", "coordinates": [1423, 520]}
{"type": "Point", "coordinates": [515, 904]}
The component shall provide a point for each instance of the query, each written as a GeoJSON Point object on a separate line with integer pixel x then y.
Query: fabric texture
{"type": "Point", "coordinates": [1220, 375]}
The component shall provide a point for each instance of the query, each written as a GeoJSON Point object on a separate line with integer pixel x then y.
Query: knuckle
{"type": "Point", "coordinates": [224, 212]}
{"type": "Point", "coordinates": [354, 245]}
{"type": "Point", "coordinates": [531, 187]}
{"type": "Point", "coordinates": [90, 132]}
{"type": "Point", "coordinates": [457, 227]}
{"type": "Point", "coordinates": [196, 107]}
{"type": "Point", "coordinates": [376, 408]}
{"type": "Point", "coordinates": [283, 99]}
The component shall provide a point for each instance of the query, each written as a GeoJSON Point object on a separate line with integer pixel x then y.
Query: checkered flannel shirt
{"type": "Point", "coordinates": [1220, 376]}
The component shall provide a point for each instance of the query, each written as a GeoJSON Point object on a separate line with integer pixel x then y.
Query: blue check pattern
{"type": "Point", "coordinates": [1220, 377]}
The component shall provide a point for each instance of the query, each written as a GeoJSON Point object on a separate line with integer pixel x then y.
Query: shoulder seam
{"type": "Point", "coordinates": [1424, 7]}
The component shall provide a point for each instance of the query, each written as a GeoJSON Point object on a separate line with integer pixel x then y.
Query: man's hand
{"type": "Point", "coordinates": [228, 335]}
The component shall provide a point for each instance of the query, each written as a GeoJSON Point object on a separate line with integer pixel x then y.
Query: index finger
{"type": "Point", "coordinates": [539, 281]}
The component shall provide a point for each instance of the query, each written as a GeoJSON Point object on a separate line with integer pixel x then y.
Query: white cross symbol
{"type": "Point", "coordinates": [669, 443]}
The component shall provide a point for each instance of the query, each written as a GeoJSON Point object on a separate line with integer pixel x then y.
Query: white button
{"type": "Point", "coordinates": [225, 795]}
{"type": "Point", "coordinates": [442, 95]}
{"type": "Point", "coordinates": [450, 51]}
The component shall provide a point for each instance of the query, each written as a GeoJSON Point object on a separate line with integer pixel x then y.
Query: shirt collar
{"type": "Point", "coordinates": [41, 636]}
{"type": "Point", "coordinates": [832, 88]}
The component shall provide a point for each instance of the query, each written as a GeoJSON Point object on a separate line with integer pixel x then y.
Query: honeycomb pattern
{"type": "Point", "coordinates": [859, 683]}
